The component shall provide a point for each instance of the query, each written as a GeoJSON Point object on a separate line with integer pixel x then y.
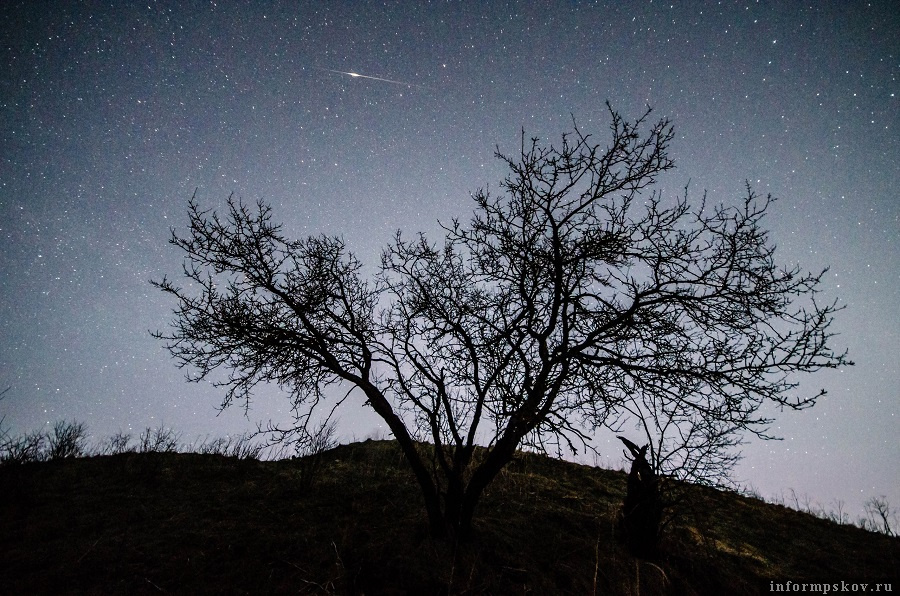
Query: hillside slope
{"type": "Point", "coordinates": [186, 524]}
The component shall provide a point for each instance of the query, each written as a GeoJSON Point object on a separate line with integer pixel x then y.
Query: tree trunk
{"type": "Point", "coordinates": [458, 511]}
{"type": "Point", "coordinates": [436, 520]}
{"type": "Point", "coordinates": [500, 455]}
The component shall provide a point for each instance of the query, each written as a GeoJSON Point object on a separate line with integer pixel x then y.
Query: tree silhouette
{"type": "Point", "coordinates": [569, 295]}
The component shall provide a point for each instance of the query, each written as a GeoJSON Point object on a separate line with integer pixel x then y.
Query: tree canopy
{"type": "Point", "coordinates": [573, 300]}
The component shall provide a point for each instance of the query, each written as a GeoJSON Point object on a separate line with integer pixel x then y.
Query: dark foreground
{"type": "Point", "coordinates": [166, 523]}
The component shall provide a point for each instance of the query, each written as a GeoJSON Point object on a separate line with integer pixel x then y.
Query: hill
{"type": "Point", "coordinates": [154, 523]}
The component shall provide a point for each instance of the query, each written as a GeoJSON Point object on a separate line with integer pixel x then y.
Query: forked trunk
{"type": "Point", "coordinates": [487, 470]}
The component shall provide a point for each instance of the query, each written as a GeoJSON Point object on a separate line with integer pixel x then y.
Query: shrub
{"type": "Point", "coordinates": [240, 446]}
{"type": "Point", "coordinates": [116, 444]}
{"type": "Point", "coordinates": [880, 517]}
{"type": "Point", "coordinates": [158, 440]}
{"type": "Point", "coordinates": [309, 448]}
{"type": "Point", "coordinates": [68, 439]}
{"type": "Point", "coordinates": [23, 449]}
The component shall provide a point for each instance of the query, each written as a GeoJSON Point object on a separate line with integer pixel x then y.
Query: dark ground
{"type": "Point", "coordinates": [154, 523]}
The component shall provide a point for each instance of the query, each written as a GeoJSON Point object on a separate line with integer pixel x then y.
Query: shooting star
{"type": "Point", "coordinates": [356, 75]}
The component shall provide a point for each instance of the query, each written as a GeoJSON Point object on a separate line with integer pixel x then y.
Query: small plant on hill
{"type": "Point", "coordinates": [68, 439]}
{"type": "Point", "coordinates": [158, 440]}
{"type": "Point", "coordinates": [241, 446]}
{"type": "Point", "coordinates": [308, 442]}
{"type": "Point", "coordinates": [23, 448]}
{"type": "Point", "coordinates": [116, 444]}
{"type": "Point", "coordinates": [880, 517]}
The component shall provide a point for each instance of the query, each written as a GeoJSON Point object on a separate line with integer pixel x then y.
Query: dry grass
{"type": "Point", "coordinates": [188, 523]}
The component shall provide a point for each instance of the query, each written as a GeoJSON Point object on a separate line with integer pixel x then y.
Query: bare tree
{"type": "Point", "coordinates": [880, 517]}
{"type": "Point", "coordinates": [570, 295]}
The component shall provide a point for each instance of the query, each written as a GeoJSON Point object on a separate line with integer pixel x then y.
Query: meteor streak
{"type": "Point", "coordinates": [356, 75]}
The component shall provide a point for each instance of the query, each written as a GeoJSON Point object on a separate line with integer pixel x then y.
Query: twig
{"type": "Point", "coordinates": [90, 548]}
{"type": "Point", "coordinates": [154, 585]}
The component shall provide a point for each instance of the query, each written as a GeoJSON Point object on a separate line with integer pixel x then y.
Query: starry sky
{"type": "Point", "coordinates": [112, 114]}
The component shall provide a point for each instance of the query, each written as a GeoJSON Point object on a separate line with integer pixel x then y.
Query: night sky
{"type": "Point", "coordinates": [113, 115]}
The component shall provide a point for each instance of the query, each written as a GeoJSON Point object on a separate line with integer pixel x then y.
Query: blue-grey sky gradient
{"type": "Point", "coordinates": [114, 113]}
